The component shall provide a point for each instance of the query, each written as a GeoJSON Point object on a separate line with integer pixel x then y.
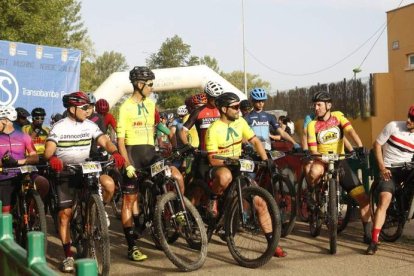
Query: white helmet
{"type": "Point", "coordinates": [213, 89]}
{"type": "Point", "coordinates": [182, 110]}
{"type": "Point", "coordinates": [8, 112]}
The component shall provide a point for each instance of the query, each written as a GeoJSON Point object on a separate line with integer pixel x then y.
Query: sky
{"type": "Point", "coordinates": [289, 43]}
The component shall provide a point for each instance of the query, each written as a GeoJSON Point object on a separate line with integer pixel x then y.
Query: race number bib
{"type": "Point", "coordinates": [28, 169]}
{"type": "Point", "coordinates": [91, 167]}
{"type": "Point", "coordinates": [246, 165]}
{"type": "Point", "coordinates": [156, 168]}
{"type": "Point", "coordinates": [330, 157]}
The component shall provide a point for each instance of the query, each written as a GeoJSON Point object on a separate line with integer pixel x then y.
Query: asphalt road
{"type": "Point", "coordinates": [307, 255]}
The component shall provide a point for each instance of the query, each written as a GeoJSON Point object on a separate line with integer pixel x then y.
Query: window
{"type": "Point", "coordinates": [411, 61]}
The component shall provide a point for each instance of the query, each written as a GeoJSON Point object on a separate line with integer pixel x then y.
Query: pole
{"type": "Point", "coordinates": [244, 52]}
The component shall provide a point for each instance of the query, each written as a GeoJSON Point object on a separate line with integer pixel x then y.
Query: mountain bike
{"type": "Point", "coordinates": [325, 199]}
{"type": "Point", "coordinates": [237, 221]}
{"type": "Point", "coordinates": [28, 211]}
{"type": "Point", "coordinates": [174, 223]}
{"type": "Point", "coordinates": [88, 227]}
{"type": "Point", "coordinates": [401, 208]}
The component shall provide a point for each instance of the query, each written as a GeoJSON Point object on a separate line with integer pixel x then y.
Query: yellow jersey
{"type": "Point", "coordinates": [328, 136]}
{"type": "Point", "coordinates": [38, 137]}
{"type": "Point", "coordinates": [192, 134]}
{"type": "Point", "coordinates": [136, 122]}
{"type": "Point", "coordinates": [226, 139]}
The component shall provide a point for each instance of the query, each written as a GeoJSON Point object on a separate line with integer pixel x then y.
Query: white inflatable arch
{"type": "Point", "coordinates": [118, 84]}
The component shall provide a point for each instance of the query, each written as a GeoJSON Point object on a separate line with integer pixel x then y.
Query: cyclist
{"type": "Point", "coordinates": [325, 134]}
{"type": "Point", "coordinates": [245, 107]}
{"type": "Point", "coordinates": [394, 144]}
{"type": "Point", "coordinates": [55, 117]}
{"type": "Point", "coordinates": [224, 138]}
{"type": "Point", "coordinates": [261, 121]}
{"type": "Point", "coordinates": [69, 142]}
{"type": "Point", "coordinates": [16, 148]}
{"type": "Point", "coordinates": [37, 131]}
{"type": "Point", "coordinates": [21, 120]}
{"type": "Point", "coordinates": [102, 108]}
{"type": "Point", "coordinates": [135, 131]}
{"type": "Point", "coordinates": [163, 132]}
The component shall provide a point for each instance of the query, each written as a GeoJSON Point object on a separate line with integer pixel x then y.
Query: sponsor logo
{"type": "Point", "coordinates": [9, 88]}
{"type": "Point", "coordinates": [258, 123]}
{"type": "Point", "coordinates": [331, 135]}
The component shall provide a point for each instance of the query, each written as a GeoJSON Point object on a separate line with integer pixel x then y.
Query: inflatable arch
{"type": "Point", "coordinates": [118, 84]}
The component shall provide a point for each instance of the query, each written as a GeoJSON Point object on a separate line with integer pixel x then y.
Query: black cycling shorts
{"type": "Point", "coordinates": [65, 189]}
{"type": "Point", "coordinates": [140, 156]}
{"type": "Point", "coordinates": [8, 190]}
{"type": "Point", "coordinates": [398, 175]}
{"type": "Point", "coordinates": [347, 178]}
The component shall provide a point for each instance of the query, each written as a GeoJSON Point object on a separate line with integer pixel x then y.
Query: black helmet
{"type": "Point", "coordinates": [141, 73]}
{"type": "Point", "coordinates": [245, 105]}
{"type": "Point", "coordinates": [321, 96]}
{"type": "Point", "coordinates": [38, 111]}
{"type": "Point", "coordinates": [226, 99]}
{"type": "Point", "coordinates": [56, 117]}
{"type": "Point", "coordinates": [22, 113]}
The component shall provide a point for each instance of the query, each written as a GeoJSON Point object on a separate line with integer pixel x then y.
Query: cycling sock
{"type": "Point", "coordinates": [6, 209]}
{"type": "Point", "coordinates": [136, 220]}
{"type": "Point", "coordinates": [67, 249]}
{"type": "Point", "coordinates": [367, 228]}
{"type": "Point", "coordinates": [130, 237]}
{"type": "Point", "coordinates": [375, 234]}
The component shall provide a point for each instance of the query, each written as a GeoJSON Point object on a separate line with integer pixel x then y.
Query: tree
{"type": "Point", "coordinates": [54, 22]}
{"type": "Point", "coordinates": [237, 79]}
{"type": "Point", "coordinates": [173, 53]}
{"type": "Point", "coordinates": [94, 73]}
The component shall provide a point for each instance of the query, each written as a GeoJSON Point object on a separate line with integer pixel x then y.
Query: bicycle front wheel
{"type": "Point", "coordinates": [302, 200]}
{"type": "Point", "coordinates": [97, 234]}
{"type": "Point", "coordinates": [286, 201]}
{"type": "Point", "coordinates": [333, 215]}
{"type": "Point", "coordinates": [245, 229]}
{"type": "Point", "coordinates": [189, 251]}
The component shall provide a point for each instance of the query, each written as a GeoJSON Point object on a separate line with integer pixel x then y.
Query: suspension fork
{"type": "Point", "coordinates": [240, 200]}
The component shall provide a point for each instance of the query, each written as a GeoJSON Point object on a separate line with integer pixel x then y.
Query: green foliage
{"type": "Point", "coordinates": [173, 53]}
{"type": "Point", "coordinates": [237, 79]}
{"type": "Point", "coordinates": [54, 22]}
{"type": "Point", "coordinates": [94, 73]}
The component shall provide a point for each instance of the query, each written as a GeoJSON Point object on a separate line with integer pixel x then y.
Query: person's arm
{"type": "Point", "coordinates": [258, 147]}
{"type": "Point", "coordinates": [355, 137]}
{"type": "Point", "coordinates": [348, 145]}
{"type": "Point", "coordinates": [107, 144]}
{"type": "Point", "coordinates": [50, 149]}
{"type": "Point", "coordinates": [305, 139]}
{"type": "Point", "coordinates": [286, 136]}
{"type": "Point", "coordinates": [384, 172]}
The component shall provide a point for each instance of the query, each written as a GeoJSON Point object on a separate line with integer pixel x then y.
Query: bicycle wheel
{"type": "Point", "coordinates": [33, 220]}
{"type": "Point", "coordinates": [170, 217]}
{"type": "Point", "coordinates": [314, 213]}
{"type": "Point", "coordinates": [394, 220]}
{"type": "Point", "coordinates": [97, 234]}
{"type": "Point", "coordinates": [333, 215]}
{"type": "Point", "coordinates": [286, 201]}
{"type": "Point", "coordinates": [301, 199]}
{"type": "Point", "coordinates": [245, 236]}
{"type": "Point", "coordinates": [347, 206]}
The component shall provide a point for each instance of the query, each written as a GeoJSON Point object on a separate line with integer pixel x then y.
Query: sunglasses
{"type": "Point", "coordinates": [39, 118]}
{"type": "Point", "coordinates": [149, 84]}
{"type": "Point", "coordinates": [235, 107]}
{"type": "Point", "coordinates": [84, 107]}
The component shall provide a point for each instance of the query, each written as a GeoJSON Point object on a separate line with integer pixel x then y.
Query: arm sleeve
{"type": "Point", "coordinates": [161, 127]}
{"type": "Point", "coordinates": [112, 121]}
{"type": "Point", "coordinates": [273, 122]}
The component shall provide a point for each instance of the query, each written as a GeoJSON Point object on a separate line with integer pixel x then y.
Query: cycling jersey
{"type": "Point", "coordinates": [226, 139]}
{"type": "Point", "coordinates": [98, 119]}
{"type": "Point", "coordinates": [328, 136]}
{"type": "Point", "coordinates": [260, 122]}
{"type": "Point", "coordinates": [192, 134]}
{"type": "Point", "coordinates": [178, 124]}
{"type": "Point", "coordinates": [109, 120]}
{"type": "Point", "coordinates": [73, 139]}
{"type": "Point", "coordinates": [38, 136]}
{"type": "Point", "coordinates": [397, 143]}
{"type": "Point", "coordinates": [202, 117]}
{"type": "Point", "coordinates": [18, 145]}
{"type": "Point", "coordinates": [136, 122]}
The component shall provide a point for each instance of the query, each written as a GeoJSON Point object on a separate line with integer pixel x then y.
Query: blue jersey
{"type": "Point", "coordinates": [260, 122]}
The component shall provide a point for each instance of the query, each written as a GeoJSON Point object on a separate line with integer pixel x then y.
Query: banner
{"type": "Point", "coordinates": [37, 76]}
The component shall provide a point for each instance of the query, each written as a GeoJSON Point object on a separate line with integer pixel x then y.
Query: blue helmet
{"type": "Point", "coordinates": [258, 94]}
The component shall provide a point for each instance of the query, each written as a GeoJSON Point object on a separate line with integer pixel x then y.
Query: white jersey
{"type": "Point", "coordinates": [73, 139]}
{"type": "Point", "coordinates": [397, 143]}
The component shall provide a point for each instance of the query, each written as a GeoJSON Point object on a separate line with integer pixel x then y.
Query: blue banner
{"type": "Point", "coordinates": [37, 76]}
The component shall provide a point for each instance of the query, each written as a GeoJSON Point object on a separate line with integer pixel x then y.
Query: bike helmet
{"type": "Point", "coordinates": [170, 116]}
{"type": "Point", "coordinates": [38, 111]}
{"type": "Point", "coordinates": [21, 112]}
{"type": "Point", "coordinates": [258, 94]}
{"type": "Point", "coordinates": [75, 99]}
{"type": "Point", "coordinates": [411, 111]}
{"type": "Point", "coordinates": [56, 117]}
{"type": "Point", "coordinates": [102, 106]}
{"type": "Point", "coordinates": [321, 96]}
{"type": "Point", "coordinates": [8, 111]}
{"type": "Point", "coordinates": [199, 99]}
{"type": "Point", "coordinates": [92, 98]}
{"type": "Point", "coordinates": [141, 73]}
{"type": "Point", "coordinates": [182, 110]}
{"type": "Point", "coordinates": [213, 89]}
{"type": "Point", "coordinates": [245, 105]}
{"type": "Point", "coordinates": [226, 99]}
